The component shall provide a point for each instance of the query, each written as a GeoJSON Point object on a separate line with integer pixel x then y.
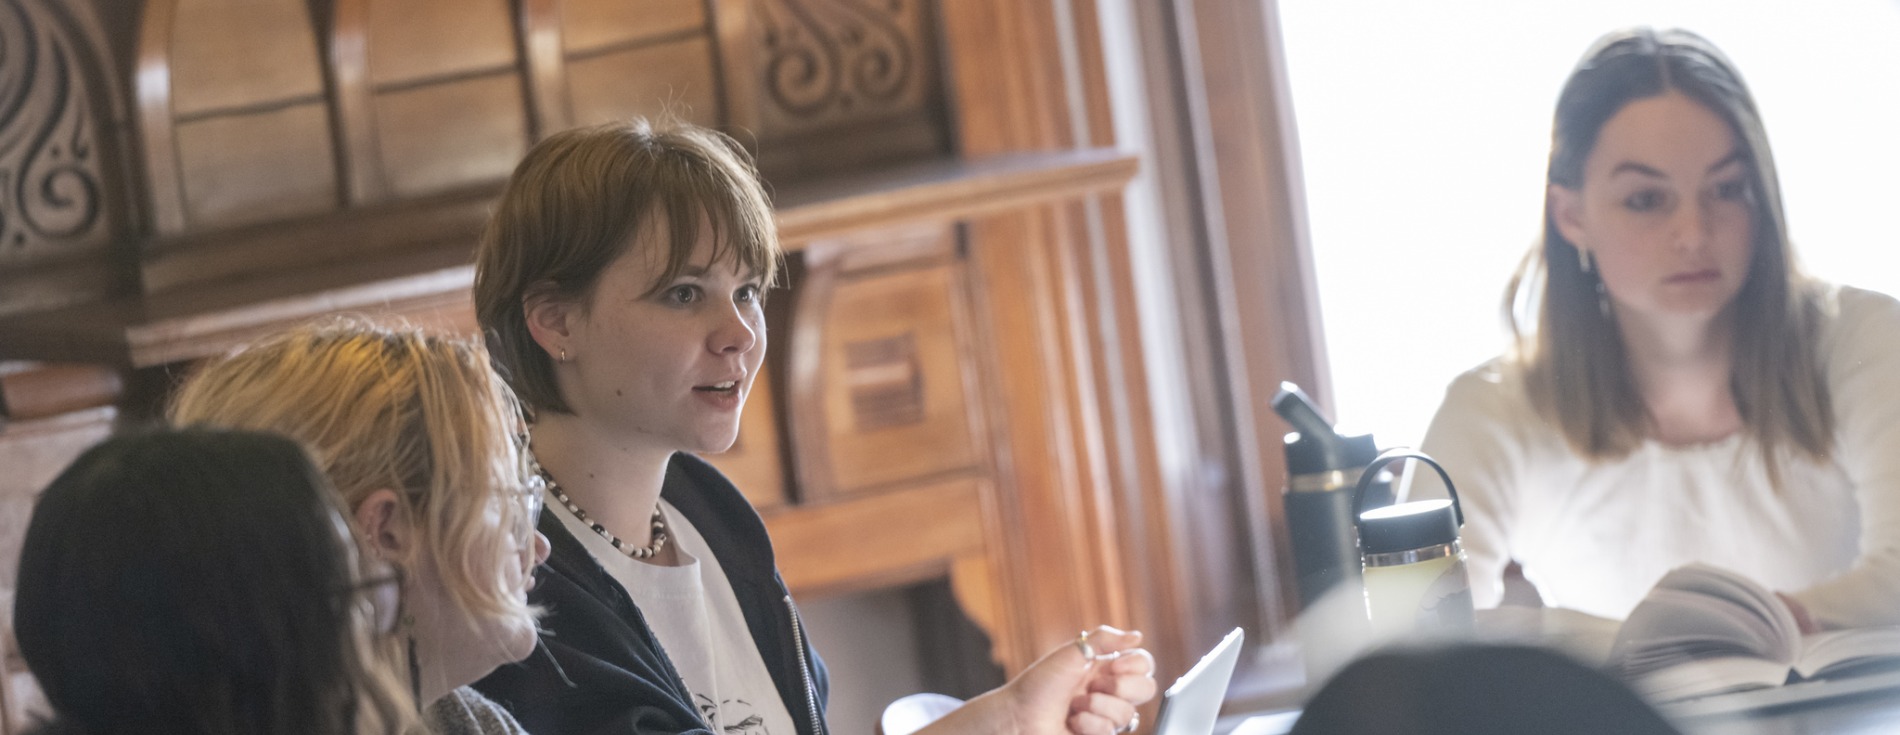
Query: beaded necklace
{"type": "Point", "coordinates": [636, 552]}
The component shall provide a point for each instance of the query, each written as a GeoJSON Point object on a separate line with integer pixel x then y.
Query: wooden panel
{"type": "Point", "coordinates": [451, 134]}
{"type": "Point", "coordinates": [273, 38]}
{"type": "Point", "coordinates": [60, 197]}
{"type": "Point", "coordinates": [257, 167]}
{"type": "Point", "coordinates": [675, 77]}
{"type": "Point", "coordinates": [826, 61]}
{"type": "Point", "coordinates": [364, 234]}
{"type": "Point", "coordinates": [29, 391]}
{"type": "Point", "coordinates": [880, 540]}
{"type": "Point", "coordinates": [594, 24]}
{"type": "Point", "coordinates": [411, 40]}
{"type": "Point", "coordinates": [754, 463]}
{"type": "Point", "coordinates": [831, 85]}
{"type": "Point", "coordinates": [894, 379]}
{"type": "Point", "coordinates": [412, 267]}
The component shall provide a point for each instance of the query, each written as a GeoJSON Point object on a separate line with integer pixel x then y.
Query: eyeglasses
{"type": "Point", "coordinates": [532, 500]}
{"type": "Point", "coordinates": [378, 593]}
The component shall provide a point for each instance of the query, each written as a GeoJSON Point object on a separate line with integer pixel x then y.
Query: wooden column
{"type": "Point", "coordinates": [1075, 453]}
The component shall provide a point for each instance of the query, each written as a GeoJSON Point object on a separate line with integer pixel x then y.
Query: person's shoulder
{"type": "Point", "coordinates": [722, 515]}
{"type": "Point", "coordinates": [1849, 304]}
{"type": "Point", "coordinates": [1491, 393]}
{"type": "Point", "coordinates": [465, 710]}
{"type": "Point", "coordinates": [1857, 319]}
{"type": "Point", "coordinates": [693, 481]}
{"type": "Point", "coordinates": [1499, 378]}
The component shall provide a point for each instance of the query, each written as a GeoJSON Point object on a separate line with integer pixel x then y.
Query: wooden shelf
{"type": "Point", "coordinates": [429, 283]}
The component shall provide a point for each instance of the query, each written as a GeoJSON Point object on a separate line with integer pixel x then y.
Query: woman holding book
{"type": "Point", "coordinates": [1680, 391]}
{"type": "Point", "coordinates": [620, 283]}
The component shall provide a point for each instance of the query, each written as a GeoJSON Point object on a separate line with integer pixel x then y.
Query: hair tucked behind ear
{"type": "Point", "coordinates": [389, 408]}
{"type": "Point", "coordinates": [581, 198]}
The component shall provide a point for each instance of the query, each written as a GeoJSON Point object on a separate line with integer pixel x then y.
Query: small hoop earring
{"type": "Point", "coordinates": [563, 357]}
{"type": "Point", "coordinates": [1603, 300]}
{"type": "Point", "coordinates": [1584, 261]}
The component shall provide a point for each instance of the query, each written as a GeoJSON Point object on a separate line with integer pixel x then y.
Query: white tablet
{"type": "Point", "coordinates": [1191, 706]}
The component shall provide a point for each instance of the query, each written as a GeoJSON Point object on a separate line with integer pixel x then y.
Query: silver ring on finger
{"type": "Point", "coordinates": [1082, 644]}
{"type": "Point", "coordinates": [1133, 722]}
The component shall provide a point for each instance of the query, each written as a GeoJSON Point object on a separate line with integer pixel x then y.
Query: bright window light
{"type": "Point", "coordinates": [1425, 130]}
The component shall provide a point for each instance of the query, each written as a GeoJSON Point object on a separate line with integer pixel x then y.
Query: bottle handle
{"type": "Point", "coordinates": [1393, 455]}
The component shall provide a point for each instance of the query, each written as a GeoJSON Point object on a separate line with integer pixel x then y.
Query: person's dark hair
{"type": "Point", "coordinates": [1575, 366]}
{"type": "Point", "coordinates": [198, 582]}
{"type": "Point", "coordinates": [1475, 690]}
{"type": "Point", "coordinates": [581, 198]}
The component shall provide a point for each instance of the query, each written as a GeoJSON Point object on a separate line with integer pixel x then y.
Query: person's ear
{"type": "Point", "coordinates": [550, 319]}
{"type": "Point", "coordinates": [1566, 212]}
{"type": "Point", "coordinates": [384, 525]}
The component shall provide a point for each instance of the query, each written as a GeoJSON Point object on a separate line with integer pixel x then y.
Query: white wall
{"type": "Point", "coordinates": [1425, 128]}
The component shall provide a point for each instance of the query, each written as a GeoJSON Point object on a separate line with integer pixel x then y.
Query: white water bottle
{"type": "Point", "coordinates": [1414, 568]}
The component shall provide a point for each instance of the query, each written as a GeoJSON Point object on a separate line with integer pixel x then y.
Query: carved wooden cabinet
{"type": "Point", "coordinates": [955, 389]}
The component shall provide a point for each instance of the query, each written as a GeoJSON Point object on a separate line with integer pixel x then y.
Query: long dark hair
{"type": "Point", "coordinates": [1576, 368]}
{"type": "Point", "coordinates": [198, 582]}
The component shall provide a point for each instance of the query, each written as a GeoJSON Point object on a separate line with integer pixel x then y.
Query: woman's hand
{"type": "Point", "coordinates": [1066, 691]}
{"type": "Point", "coordinates": [1101, 693]}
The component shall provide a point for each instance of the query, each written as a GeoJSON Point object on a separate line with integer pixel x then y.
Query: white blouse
{"type": "Point", "coordinates": [1595, 536]}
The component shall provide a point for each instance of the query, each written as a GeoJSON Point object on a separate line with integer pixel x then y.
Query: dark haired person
{"type": "Point", "coordinates": [1475, 690]}
{"type": "Point", "coordinates": [620, 283]}
{"type": "Point", "coordinates": [1680, 391]}
{"type": "Point", "coordinates": [201, 582]}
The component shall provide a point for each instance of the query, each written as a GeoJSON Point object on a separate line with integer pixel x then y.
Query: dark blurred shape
{"type": "Point", "coordinates": [1475, 690]}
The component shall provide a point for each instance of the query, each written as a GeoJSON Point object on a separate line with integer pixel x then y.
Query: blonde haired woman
{"type": "Point", "coordinates": [421, 439]}
{"type": "Point", "coordinates": [1686, 394]}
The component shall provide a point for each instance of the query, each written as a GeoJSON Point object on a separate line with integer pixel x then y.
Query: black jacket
{"type": "Point", "coordinates": [612, 676]}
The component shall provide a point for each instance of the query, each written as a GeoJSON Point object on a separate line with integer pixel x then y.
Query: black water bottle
{"type": "Point", "coordinates": [1323, 468]}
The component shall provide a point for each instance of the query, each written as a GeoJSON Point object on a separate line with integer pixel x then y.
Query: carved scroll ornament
{"type": "Point", "coordinates": [832, 58]}
{"type": "Point", "coordinates": [50, 185]}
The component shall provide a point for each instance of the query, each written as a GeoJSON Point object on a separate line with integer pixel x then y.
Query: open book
{"type": "Point", "coordinates": [1704, 630]}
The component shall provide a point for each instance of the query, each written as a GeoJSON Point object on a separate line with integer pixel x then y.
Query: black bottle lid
{"type": "Point", "coordinates": [1408, 526]}
{"type": "Point", "coordinates": [1314, 447]}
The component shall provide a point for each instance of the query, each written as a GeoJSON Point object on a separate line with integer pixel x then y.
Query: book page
{"type": "Point", "coordinates": [1710, 676]}
{"type": "Point", "coordinates": [1701, 612]}
{"type": "Point", "coordinates": [1839, 652]}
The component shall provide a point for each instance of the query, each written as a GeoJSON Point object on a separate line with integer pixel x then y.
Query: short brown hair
{"type": "Point", "coordinates": [578, 201]}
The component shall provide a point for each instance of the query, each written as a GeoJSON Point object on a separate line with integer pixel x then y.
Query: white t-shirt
{"type": "Point", "coordinates": [696, 617]}
{"type": "Point", "coordinates": [1595, 536]}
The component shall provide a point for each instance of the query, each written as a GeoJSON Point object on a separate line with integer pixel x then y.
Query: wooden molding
{"type": "Point", "coordinates": [429, 278]}
{"type": "Point", "coordinates": [364, 179]}
{"type": "Point", "coordinates": [546, 60]}
{"type": "Point", "coordinates": [897, 537]}
{"type": "Point", "coordinates": [45, 391]}
{"type": "Point", "coordinates": [153, 84]}
{"type": "Point", "coordinates": [943, 191]}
